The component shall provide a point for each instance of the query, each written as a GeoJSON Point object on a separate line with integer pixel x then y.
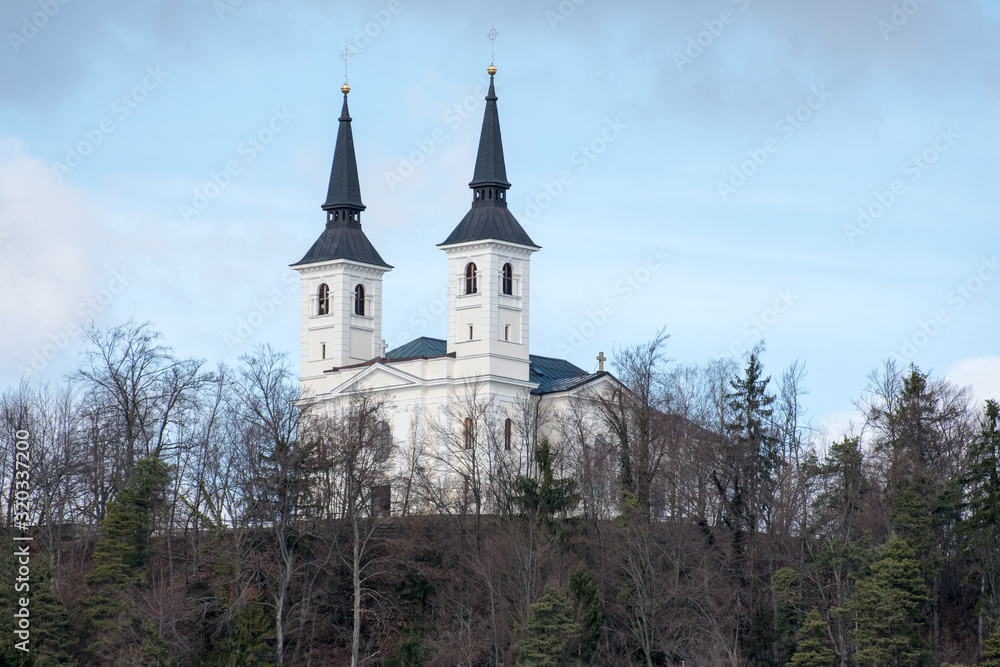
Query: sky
{"type": "Point", "coordinates": [821, 176]}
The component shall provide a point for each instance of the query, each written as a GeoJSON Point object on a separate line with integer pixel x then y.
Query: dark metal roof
{"type": "Point", "coordinates": [419, 347]}
{"type": "Point", "coordinates": [490, 167]}
{"type": "Point", "coordinates": [343, 240]}
{"type": "Point", "coordinates": [491, 220]}
{"type": "Point", "coordinates": [551, 374]}
{"type": "Point", "coordinates": [345, 189]}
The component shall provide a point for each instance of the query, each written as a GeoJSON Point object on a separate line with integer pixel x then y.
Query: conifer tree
{"type": "Point", "coordinates": [991, 649]}
{"type": "Point", "coordinates": [548, 634]}
{"type": "Point", "coordinates": [811, 649]}
{"type": "Point", "coordinates": [888, 609]}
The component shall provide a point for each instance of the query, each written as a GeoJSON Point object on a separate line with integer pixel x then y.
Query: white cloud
{"type": "Point", "coordinates": [980, 373]}
{"type": "Point", "coordinates": [49, 258]}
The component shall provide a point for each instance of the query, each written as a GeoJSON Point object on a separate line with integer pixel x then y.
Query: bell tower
{"type": "Point", "coordinates": [489, 262]}
{"type": "Point", "coordinates": [341, 275]}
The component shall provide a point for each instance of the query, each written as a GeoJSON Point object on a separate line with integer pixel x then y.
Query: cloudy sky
{"type": "Point", "coordinates": [822, 175]}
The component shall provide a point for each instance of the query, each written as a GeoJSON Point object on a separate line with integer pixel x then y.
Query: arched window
{"type": "Point", "coordinates": [467, 433]}
{"type": "Point", "coordinates": [470, 278]}
{"type": "Point", "coordinates": [359, 300]}
{"type": "Point", "coordinates": [600, 443]}
{"type": "Point", "coordinates": [323, 300]}
{"type": "Point", "coordinates": [383, 441]}
{"type": "Point", "coordinates": [508, 279]}
{"type": "Point", "coordinates": [508, 432]}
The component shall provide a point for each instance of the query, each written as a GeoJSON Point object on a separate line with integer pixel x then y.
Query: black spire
{"type": "Point", "coordinates": [345, 190]}
{"type": "Point", "coordinates": [489, 217]}
{"type": "Point", "coordinates": [490, 168]}
{"type": "Point", "coordinates": [343, 237]}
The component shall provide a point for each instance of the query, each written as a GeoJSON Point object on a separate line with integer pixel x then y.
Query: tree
{"type": "Point", "coordinates": [122, 554]}
{"type": "Point", "coordinates": [751, 450]}
{"type": "Point", "coordinates": [633, 413]}
{"type": "Point", "coordinates": [51, 635]}
{"type": "Point", "coordinates": [981, 527]}
{"type": "Point", "coordinates": [545, 496]}
{"type": "Point", "coordinates": [888, 609]}
{"type": "Point", "coordinates": [811, 648]}
{"type": "Point", "coordinates": [991, 650]}
{"type": "Point", "coordinates": [589, 610]}
{"type": "Point", "coordinates": [548, 634]}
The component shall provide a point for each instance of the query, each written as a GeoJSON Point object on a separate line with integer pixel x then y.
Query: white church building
{"type": "Point", "coordinates": [488, 259]}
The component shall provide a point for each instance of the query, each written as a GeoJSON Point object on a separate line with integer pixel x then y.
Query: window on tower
{"type": "Point", "coordinates": [508, 279]}
{"type": "Point", "coordinates": [467, 433]}
{"type": "Point", "coordinates": [470, 278]}
{"type": "Point", "coordinates": [323, 306]}
{"type": "Point", "coordinates": [359, 300]}
{"type": "Point", "coordinates": [508, 428]}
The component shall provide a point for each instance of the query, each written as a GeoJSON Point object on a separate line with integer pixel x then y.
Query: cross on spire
{"type": "Point", "coordinates": [492, 35]}
{"type": "Point", "coordinates": [345, 55]}
{"type": "Point", "coordinates": [600, 362]}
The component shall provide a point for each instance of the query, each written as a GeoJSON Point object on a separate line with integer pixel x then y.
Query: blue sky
{"type": "Point", "coordinates": [698, 166]}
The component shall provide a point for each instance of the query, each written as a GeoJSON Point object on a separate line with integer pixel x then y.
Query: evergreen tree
{"type": "Point", "coordinates": [545, 496]}
{"type": "Point", "coordinates": [51, 635]}
{"type": "Point", "coordinates": [549, 633]}
{"type": "Point", "coordinates": [991, 649]}
{"type": "Point", "coordinates": [811, 648]}
{"type": "Point", "coordinates": [122, 554]}
{"type": "Point", "coordinates": [981, 527]}
{"type": "Point", "coordinates": [888, 609]}
{"type": "Point", "coordinates": [751, 452]}
{"type": "Point", "coordinates": [589, 611]}
{"type": "Point", "coordinates": [787, 599]}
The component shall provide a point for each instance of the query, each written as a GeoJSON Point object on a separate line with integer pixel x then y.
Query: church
{"type": "Point", "coordinates": [488, 259]}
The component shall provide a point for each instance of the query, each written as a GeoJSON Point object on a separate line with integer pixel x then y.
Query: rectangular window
{"type": "Point", "coordinates": [322, 351]}
{"type": "Point", "coordinates": [470, 332]}
{"type": "Point", "coordinates": [506, 332]}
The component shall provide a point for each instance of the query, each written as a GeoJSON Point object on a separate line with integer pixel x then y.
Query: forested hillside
{"type": "Point", "coordinates": [188, 515]}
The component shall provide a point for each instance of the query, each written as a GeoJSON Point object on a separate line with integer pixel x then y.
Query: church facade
{"type": "Point", "coordinates": [485, 356]}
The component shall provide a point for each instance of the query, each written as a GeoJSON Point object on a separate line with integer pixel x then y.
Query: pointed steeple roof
{"type": "Point", "coordinates": [343, 237]}
{"type": "Point", "coordinates": [345, 189]}
{"type": "Point", "coordinates": [489, 217]}
{"type": "Point", "coordinates": [490, 167]}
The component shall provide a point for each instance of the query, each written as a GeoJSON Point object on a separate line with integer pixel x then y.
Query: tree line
{"type": "Point", "coordinates": [678, 515]}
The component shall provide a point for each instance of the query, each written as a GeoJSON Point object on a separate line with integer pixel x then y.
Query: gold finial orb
{"type": "Point", "coordinates": [345, 89]}
{"type": "Point", "coordinates": [491, 70]}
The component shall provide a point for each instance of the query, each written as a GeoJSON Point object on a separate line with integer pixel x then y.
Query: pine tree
{"type": "Point", "coordinates": [545, 496]}
{"type": "Point", "coordinates": [888, 609]}
{"type": "Point", "coordinates": [981, 527]}
{"type": "Point", "coordinates": [991, 649]}
{"type": "Point", "coordinates": [51, 635]}
{"type": "Point", "coordinates": [590, 613]}
{"type": "Point", "coordinates": [548, 634]}
{"type": "Point", "coordinates": [122, 554]}
{"type": "Point", "coordinates": [811, 649]}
